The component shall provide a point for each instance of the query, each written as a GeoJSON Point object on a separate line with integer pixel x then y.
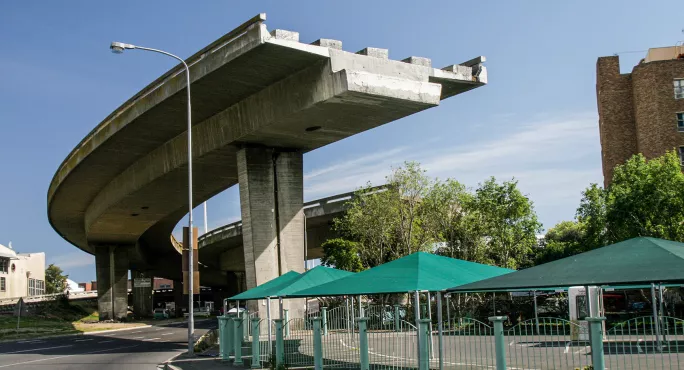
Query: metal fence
{"type": "Point", "coordinates": [383, 338]}
{"type": "Point", "coordinates": [548, 343]}
{"type": "Point", "coordinates": [645, 343]}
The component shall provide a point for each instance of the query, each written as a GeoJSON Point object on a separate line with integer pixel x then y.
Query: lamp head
{"type": "Point", "coordinates": [119, 47]}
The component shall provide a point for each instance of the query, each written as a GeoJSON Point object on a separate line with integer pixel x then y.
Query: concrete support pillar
{"type": "Point", "coordinates": [271, 199]}
{"type": "Point", "coordinates": [111, 268]}
{"type": "Point", "coordinates": [178, 296]}
{"type": "Point", "coordinates": [142, 295]}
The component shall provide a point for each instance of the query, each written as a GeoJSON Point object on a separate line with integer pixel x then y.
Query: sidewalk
{"type": "Point", "coordinates": [208, 360]}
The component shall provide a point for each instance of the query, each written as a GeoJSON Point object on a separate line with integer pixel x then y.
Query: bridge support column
{"type": "Point", "coordinates": [179, 302]}
{"type": "Point", "coordinates": [271, 200]}
{"type": "Point", "coordinates": [142, 295]}
{"type": "Point", "coordinates": [111, 265]}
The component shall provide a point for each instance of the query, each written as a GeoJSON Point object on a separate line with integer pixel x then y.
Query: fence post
{"type": "Point", "coordinates": [237, 340]}
{"type": "Point", "coordinates": [318, 344]}
{"type": "Point", "coordinates": [499, 342]}
{"type": "Point", "coordinates": [286, 327]}
{"type": "Point", "coordinates": [596, 335]}
{"type": "Point", "coordinates": [396, 317]}
{"type": "Point", "coordinates": [440, 332]}
{"type": "Point", "coordinates": [244, 315]}
{"type": "Point", "coordinates": [363, 343]}
{"type": "Point", "coordinates": [423, 347]}
{"type": "Point", "coordinates": [324, 319]}
{"type": "Point", "coordinates": [223, 338]}
{"type": "Point", "coordinates": [230, 336]}
{"type": "Point", "coordinates": [256, 363]}
{"type": "Point", "coordinates": [280, 345]}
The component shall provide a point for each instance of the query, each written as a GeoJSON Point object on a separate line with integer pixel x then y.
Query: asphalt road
{"type": "Point", "coordinates": [142, 348]}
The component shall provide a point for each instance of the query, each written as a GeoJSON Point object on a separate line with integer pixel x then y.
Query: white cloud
{"type": "Point", "coordinates": [554, 159]}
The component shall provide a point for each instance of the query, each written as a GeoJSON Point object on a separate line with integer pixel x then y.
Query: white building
{"type": "Point", "coordinates": [21, 274]}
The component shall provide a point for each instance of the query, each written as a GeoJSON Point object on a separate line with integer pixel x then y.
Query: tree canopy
{"type": "Point", "coordinates": [55, 280]}
{"type": "Point", "coordinates": [645, 198]}
{"type": "Point", "coordinates": [494, 224]}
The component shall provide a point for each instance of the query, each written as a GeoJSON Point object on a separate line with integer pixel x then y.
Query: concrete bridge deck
{"type": "Point", "coordinates": [260, 100]}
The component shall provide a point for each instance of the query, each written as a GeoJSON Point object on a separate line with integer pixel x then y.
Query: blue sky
{"type": "Point", "coordinates": [535, 121]}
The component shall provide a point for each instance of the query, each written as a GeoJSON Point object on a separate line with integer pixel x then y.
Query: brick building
{"type": "Point", "coordinates": [642, 111]}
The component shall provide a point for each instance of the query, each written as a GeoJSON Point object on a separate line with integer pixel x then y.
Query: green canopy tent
{"type": "Point", "coordinates": [416, 272]}
{"type": "Point", "coordinates": [631, 263]}
{"type": "Point", "coordinates": [266, 289]}
{"type": "Point", "coordinates": [636, 261]}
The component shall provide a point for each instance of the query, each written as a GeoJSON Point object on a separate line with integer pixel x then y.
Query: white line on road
{"type": "Point", "coordinates": [167, 333]}
{"type": "Point", "coordinates": [137, 338]}
{"type": "Point", "coordinates": [149, 339]}
{"type": "Point", "coordinates": [82, 340]}
{"type": "Point", "coordinates": [31, 341]}
{"type": "Point", "coordinates": [77, 354]}
{"type": "Point", "coordinates": [106, 341]}
{"type": "Point", "coordinates": [36, 349]}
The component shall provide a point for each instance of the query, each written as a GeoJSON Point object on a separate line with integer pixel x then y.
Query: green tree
{"type": "Point", "coordinates": [453, 220]}
{"type": "Point", "coordinates": [342, 254]}
{"type": "Point", "coordinates": [388, 224]}
{"type": "Point", "coordinates": [565, 239]}
{"type": "Point", "coordinates": [509, 222]}
{"type": "Point", "coordinates": [645, 198]}
{"type": "Point", "coordinates": [55, 280]}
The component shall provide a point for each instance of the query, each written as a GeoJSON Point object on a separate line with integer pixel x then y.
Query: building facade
{"type": "Point", "coordinates": [642, 111]}
{"type": "Point", "coordinates": [21, 274]}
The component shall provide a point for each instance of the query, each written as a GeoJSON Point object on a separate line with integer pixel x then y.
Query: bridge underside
{"type": "Point", "coordinates": [260, 100]}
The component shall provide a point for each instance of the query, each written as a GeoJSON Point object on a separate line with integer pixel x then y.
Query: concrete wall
{"type": "Point", "coordinates": [111, 268]}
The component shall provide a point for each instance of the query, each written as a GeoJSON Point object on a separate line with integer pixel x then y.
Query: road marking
{"type": "Point", "coordinates": [159, 329]}
{"type": "Point", "coordinates": [167, 333]}
{"type": "Point", "coordinates": [147, 340]}
{"type": "Point", "coordinates": [106, 341]}
{"type": "Point", "coordinates": [137, 338]}
{"type": "Point", "coordinates": [37, 349]}
{"type": "Point", "coordinates": [82, 340]}
{"type": "Point", "coordinates": [77, 354]}
{"type": "Point", "coordinates": [31, 341]}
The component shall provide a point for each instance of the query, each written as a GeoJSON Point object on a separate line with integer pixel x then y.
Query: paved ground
{"type": "Point", "coordinates": [133, 349]}
{"type": "Point", "coordinates": [398, 351]}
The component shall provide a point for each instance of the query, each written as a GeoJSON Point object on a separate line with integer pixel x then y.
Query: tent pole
{"type": "Point", "coordinates": [662, 309]}
{"type": "Point", "coordinates": [448, 309]}
{"type": "Point", "coordinates": [361, 313]}
{"type": "Point", "coordinates": [416, 312]}
{"type": "Point", "coordinates": [493, 303]}
{"type": "Point", "coordinates": [440, 340]}
{"type": "Point", "coordinates": [346, 299]}
{"type": "Point", "coordinates": [429, 309]}
{"type": "Point", "coordinates": [536, 312]}
{"type": "Point", "coordinates": [655, 315]}
{"type": "Point", "coordinates": [268, 322]}
{"type": "Point", "coordinates": [280, 308]}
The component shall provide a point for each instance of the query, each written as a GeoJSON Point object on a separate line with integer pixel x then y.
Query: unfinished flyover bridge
{"type": "Point", "coordinates": [260, 101]}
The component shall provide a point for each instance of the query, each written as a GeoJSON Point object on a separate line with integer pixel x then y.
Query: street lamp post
{"type": "Point", "coordinates": [118, 48]}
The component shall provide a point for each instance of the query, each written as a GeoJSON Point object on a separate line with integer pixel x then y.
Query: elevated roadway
{"type": "Point", "coordinates": [260, 100]}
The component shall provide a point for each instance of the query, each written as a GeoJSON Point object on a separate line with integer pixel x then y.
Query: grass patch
{"type": "Point", "coordinates": [56, 318]}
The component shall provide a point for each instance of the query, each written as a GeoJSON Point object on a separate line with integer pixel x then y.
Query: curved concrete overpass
{"type": "Point", "coordinates": [221, 249]}
{"type": "Point", "coordinates": [260, 100]}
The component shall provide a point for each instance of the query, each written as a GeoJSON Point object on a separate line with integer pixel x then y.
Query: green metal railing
{"type": "Point", "coordinates": [298, 348]}
{"type": "Point", "coordinates": [645, 343]}
{"type": "Point", "coordinates": [548, 343]}
{"type": "Point", "coordinates": [468, 342]}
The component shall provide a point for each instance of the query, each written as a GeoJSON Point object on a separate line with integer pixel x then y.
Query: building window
{"type": "Point", "coordinates": [2, 284]}
{"type": "Point", "coordinates": [680, 121]}
{"type": "Point", "coordinates": [679, 88]}
{"type": "Point", "coordinates": [4, 265]}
